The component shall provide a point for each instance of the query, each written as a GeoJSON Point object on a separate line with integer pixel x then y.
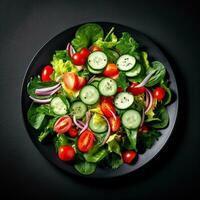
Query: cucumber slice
{"type": "Point", "coordinates": [135, 71]}
{"type": "Point", "coordinates": [98, 124]}
{"type": "Point", "coordinates": [123, 100]}
{"type": "Point", "coordinates": [131, 119]}
{"type": "Point", "coordinates": [58, 106]}
{"type": "Point", "coordinates": [78, 109]}
{"type": "Point", "coordinates": [89, 95]}
{"type": "Point", "coordinates": [97, 60]}
{"type": "Point", "coordinates": [95, 83]}
{"type": "Point", "coordinates": [107, 87]}
{"type": "Point", "coordinates": [126, 62]}
{"type": "Point", "coordinates": [94, 71]}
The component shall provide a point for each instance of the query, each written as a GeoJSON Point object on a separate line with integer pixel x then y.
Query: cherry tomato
{"type": "Point", "coordinates": [46, 73]}
{"type": "Point", "coordinates": [119, 89]}
{"type": "Point", "coordinates": [107, 107]}
{"type": "Point", "coordinates": [85, 52]}
{"type": "Point", "coordinates": [63, 124]}
{"type": "Point", "coordinates": [66, 153]}
{"type": "Point", "coordinates": [73, 132]}
{"type": "Point", "coordinates": [111, 70]}
{"type": "Point", "coordinates": [128, 156]}
{"type": "Point", "coordinates": [136, 91]}
{"type": "Point", "coordinates": [71, 80]}
{"type": "Point", "coordinates": [115, 123]}
{"type": "Point", "coordinates": [159, 93]}
{"type": "Point", "coordinates": [81, 83]}
{"type": "Point", "coordinates": [86, 141]}
{"type": "Point", "coordinates": [94, 48]}
{"type": "Point", "coordinates": [78, 59]}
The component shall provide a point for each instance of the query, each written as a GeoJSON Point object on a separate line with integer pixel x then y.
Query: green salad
{"type": "Point", "coordinates": [100, 101]}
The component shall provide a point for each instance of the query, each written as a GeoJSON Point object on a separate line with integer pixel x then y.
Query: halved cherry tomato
{"type": "Point", "coordinates": [66, 153]}
{"type": "Point", "coordinates": [111, 70]}
{"type": "Point", "coordinates": [115, 123]}
{"type": "Point", "coordinates": [136, 91]}
{"type": "Point", "coordinates": [159, 93]}
{"type": "Point", "coordinates": [119, 89]}
{"type": "Point", "coordinates": [107, 107]}
{"type": "Point", "coordinates": [63, 124]}
{"type": "Point", "coordinates": [81, 83]}
{"type": "Point", "coordinates": [46, 73]}
{"type": "Point", "coordinates": [115, 76]}
{"type": "Point", "coordinates": [128, 156]}
{"type": "Point", "coordinates": [71, 80]}
{"type": "Point", "coordinates": [85, 52]}
{"type": "Point", "coordinates": [78, 59]}
{"type": "Point", "coordinates": [86, 141]}
{"type": "Point", "coordinates": [94, 48]}
{"type": "Point", "coordinates": [73, 132]}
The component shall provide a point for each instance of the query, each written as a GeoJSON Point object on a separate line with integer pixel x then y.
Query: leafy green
{"type": "Point", "coordinates": [126, 44]}
{"type": "Point", "coordinates": [61, 54]}
{"type": "Point", "coordinates": [112, 55]}
{"type": "Point", "coordinates": [96, 154]}
{"type": "Point", "coordinates": [131, 139]}
{"type": "Point", "coordinates": [113, 146]}
{"type": "Point", "coordinates": [168, 94]}
{"type": "Point", "coordinates": [46, 110]}
{"type": "Point", "coordinates": [139, 102]}
{"type": "Point", "coordinates": [85, 168]}
{"type": "Point", "coordinates": [145, 60]}
{"type": "Point", "coordinates": [86, 35]}
{"type": "Point", "coordinates": [35, 118]}
{"type": "Point", "coordinates": [147, 140]}
{"type": "Point", "coordinates": [159, 74]}
{"type": "Point", "coordinates": [121, 81]}
{"type": "Point", "coordinates": [114, 160]}
{"type": "Point", "coordinates": [109, 43]}
{"type": "Point", "coordinates": [61, 140]}
{"type": "Point", "coordinates": [84, 73]}
{"type": "Point", "coordinates": [163, 115]}
{"type": "Point", "coordinates": [48, 129]}
{"type": "Point", "coordinates": [36, 83]}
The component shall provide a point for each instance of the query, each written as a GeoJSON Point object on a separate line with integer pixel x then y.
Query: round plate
{"type": "Point", "coordinates": [44, 56]}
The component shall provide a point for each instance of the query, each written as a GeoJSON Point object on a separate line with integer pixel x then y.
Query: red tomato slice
{"type": "Point", "coordinates": [66, 153]}
{"type": "Point", "coordinates": [107, 107]}
{"type": "Point", "coordinates": [78, 59]}
{"type": "Point", "coordinates": [119, 89]}
{"type": "Point", "coordinates": [136, 91]}
{"type": "Point", "coordinates": [73, 132]}
{"type": "Point", "coordinates": [46, 73]}
{"type": "Point", "coordinates": [128, 156]}
{"type": "Point", "coordinates": [159, 93]}
{"type": "Point", "coordinates": [85, 52]}
{"type": "Point", "coordinates": [86, 141]}
{"type": "Point", "coordinates": [81, 82]}
{"type": "Point", "coordinates": [70, 80]}
{"type": "Point", "coordinates": [111, 70]}
{"type": "Point", "coordinates": [115, 123]}
{"type": "Point", "coordinates": [94, 48]}
{"type": "Point", "coordinates": [63, 124]}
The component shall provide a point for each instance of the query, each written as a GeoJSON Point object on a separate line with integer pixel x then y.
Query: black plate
{"type": "Point", "coordinates": [44, 56]}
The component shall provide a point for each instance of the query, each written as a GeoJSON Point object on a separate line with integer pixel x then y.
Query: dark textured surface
{"type": "Point", "coordinates": [27, 25]}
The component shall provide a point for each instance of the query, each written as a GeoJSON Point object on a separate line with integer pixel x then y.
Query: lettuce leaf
{"type": "Point", "coordinates": [126, 44]}
{"type": "Point", "coordinates": [86, 35]}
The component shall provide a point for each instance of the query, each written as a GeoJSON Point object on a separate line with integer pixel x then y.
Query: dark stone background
{"type": "Point", "coordinates": [26, 25]}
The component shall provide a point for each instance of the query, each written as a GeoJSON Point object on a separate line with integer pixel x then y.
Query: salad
{"type": "Point", "coordinates": [100, 101]}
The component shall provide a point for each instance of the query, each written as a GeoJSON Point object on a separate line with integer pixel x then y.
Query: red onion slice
{"type": "Point", "coordinates": [70, 49]}
{"type": "Point", "coordinates": [145, 80]}
{"type": "Point", "coordinates": [81, 123]}
{"type": "Point", "coordinates": [76, 123]}
{"type": "Point", "coordinates": [42, 101]}
{"type": "Point", "coordinates": [47, 89]}
{"type": "Point", "coordinates": [108, 132]}
{"type": "Point", "coordinates": [87, 122]}
{"type": "Point", "coordinates": [113, 114]}
{"type": "Point", "coordinates": [91, 79]}
{"type": "Point", "coordinates": [49, 93]}
{"type": "Point", "coordinates": [150, 101]}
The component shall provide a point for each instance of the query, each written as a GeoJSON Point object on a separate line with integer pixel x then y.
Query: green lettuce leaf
{"type": "Point", "coordinates": [86, 35]}
{"type": "Point", "coordinates": [126, 44]}
{"type": "Point", "coordinates": [131, 139]}
{"type": "Point", "coordinates": [85, 168]}
{"type": "Point", "coordinates": [121, 81]}
{"type": "Point", "coordinates": [113, 146]}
